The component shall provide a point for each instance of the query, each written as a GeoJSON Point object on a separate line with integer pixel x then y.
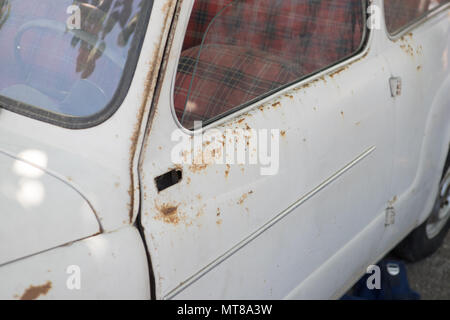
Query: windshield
{"type": "Point", "coordinates": [63, 56]}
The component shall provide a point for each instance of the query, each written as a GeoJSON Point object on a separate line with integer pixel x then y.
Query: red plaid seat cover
{"type": "Point", "coordinates": [250, 47]}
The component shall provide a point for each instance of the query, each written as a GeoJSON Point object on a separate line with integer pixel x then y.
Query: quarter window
{"type": "Point", "coordinates": [236, 52]}
{"type": "Point", "coordinates": [401, 13]}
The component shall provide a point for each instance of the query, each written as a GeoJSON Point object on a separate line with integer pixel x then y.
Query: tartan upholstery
{"type": "Point", "coordinates": [303, 35]}
{"type": "Point", "coordinates": [229, 77]}
{"type": "Point", "coordinates": [202, 14]}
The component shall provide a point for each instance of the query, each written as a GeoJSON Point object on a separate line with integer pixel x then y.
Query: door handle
{"type": "Point", "coordinates": [396, 86]}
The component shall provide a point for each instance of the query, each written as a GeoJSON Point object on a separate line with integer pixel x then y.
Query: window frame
{"type": "Point", "coordinates": [73, 122]}
{"type": "Point", "coordinates": [361, 50]}
{"type": "Point", "coordinates": [414, 23]}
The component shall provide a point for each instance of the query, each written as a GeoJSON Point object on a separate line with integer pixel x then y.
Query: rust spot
{"type": "Point", "coordinates": [338, 71]}
{"type": "Point", "coordinates": [342, 114]}
{"type": "Point", "coordinates": [168, 213]}
{"type": "Point", "coordinates": [241, 120]}
{"type": "Point", "coordinates": [219, 222]}
{"type": "Point", "coordinates": [276, 104]}
{"type": "Point", "coordinates": [198, 167]}
{"type": "Point", "coordinates": [201, 211]}
{"type": "Point", "coordinates": [408, 49]}
{"type": "Point", "coordinates": [218, 212]}
{"type": "Point", "coordinates": [33, 292]}
{"type": "Point", "coordinates": [150, 83]}
{"type": "Point", "coordinates": [419, 68]}
{"type": "Point", "coordinates": [244, 197]}
{"type": "Point", "coordinates": [117, 184]}
{"type": "Point", "coordinates": [227, 171]}
{"type": "Point", "coordinates": [283, 133]}
{"type": "Point", "coordinates": [166, 7]}
{"type": "Point", "coordinates": [169, 210]}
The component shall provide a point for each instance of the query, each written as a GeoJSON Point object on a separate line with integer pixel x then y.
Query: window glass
{"type": "Point", "coordinates": [237, 51]}
{"type": "Point", "coordinates": [65, 56]}
{"type": "Point", "coordinates": [400, 13]}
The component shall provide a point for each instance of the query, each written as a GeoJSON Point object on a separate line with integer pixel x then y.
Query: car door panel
{"type": "Point", "coordinates": [232, 224]}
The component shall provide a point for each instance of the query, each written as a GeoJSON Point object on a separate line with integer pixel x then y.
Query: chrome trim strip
{"type": "Point", "coordinates": [266, 226]}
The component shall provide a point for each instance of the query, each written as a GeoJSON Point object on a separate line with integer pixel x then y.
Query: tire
{"type": "Point", "coordinates": [428, 237]}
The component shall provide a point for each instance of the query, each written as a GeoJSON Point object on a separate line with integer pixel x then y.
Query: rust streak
{"type": "Point", "coordinates": [150, 83]}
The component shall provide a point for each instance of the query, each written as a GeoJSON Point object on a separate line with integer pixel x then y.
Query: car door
{"type": "Point", "coordinates": [300, 215]}
{"type": "Point", "coordinates": [416, 49]}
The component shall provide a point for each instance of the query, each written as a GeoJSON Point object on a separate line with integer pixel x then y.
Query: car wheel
{"type": "Point", "coordinates": [428, 237]}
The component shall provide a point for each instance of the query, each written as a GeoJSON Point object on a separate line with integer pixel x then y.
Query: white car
{"type": "Point", "coordinates": [231, 149]}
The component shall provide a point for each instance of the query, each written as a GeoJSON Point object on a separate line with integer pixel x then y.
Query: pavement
{"type": "Point", "coordinates": [431, 277]}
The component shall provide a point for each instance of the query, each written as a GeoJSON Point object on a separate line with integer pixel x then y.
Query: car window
{"type": "Point", "coordinates": [401, 13]}
{"type": "Point", "coordinates": [65, 57]}
{"type": "Point", "coordinates": [238, 51]}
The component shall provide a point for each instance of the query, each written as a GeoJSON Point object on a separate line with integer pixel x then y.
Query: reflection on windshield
{"type": "Point", "coordinates": [5, 9]}
{"type": "Point", "coordinates": [100, 19]}
{"type": "Point", "coordinates": [69, 71]}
